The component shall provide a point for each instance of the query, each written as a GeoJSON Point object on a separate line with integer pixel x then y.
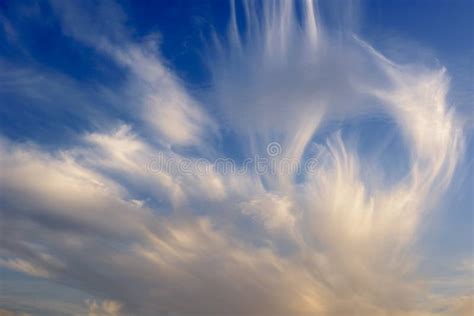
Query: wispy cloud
{"type": "Point", "coordinates": [93, 216]}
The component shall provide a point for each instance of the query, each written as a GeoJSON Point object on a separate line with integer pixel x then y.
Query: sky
{"type": "Point", "coordinates": [236, 157]}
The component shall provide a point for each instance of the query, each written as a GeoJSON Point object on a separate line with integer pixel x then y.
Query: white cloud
{"type": "Point", "coordinates": [162, 103]}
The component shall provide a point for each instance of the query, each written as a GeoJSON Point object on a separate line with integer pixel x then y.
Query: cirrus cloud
{"type": "Point", "coordinates": [336, 242]}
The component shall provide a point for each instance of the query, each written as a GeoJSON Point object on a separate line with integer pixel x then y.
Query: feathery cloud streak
{"type": "Point", "coordinates": [335, 242]}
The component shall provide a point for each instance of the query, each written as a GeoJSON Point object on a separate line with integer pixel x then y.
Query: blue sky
{"type": "Point", "coordinates": [375, 95]}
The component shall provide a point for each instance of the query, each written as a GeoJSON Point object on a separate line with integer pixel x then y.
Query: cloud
{"type": "Point", "coordinates": [24, 266]}
{"type": "Point", "coordinates": [93, 216]}
{"type": "Point", "coordinates": [175, 117]}
{"type": "Point", "coordinates": [109, 308]}
{"type": "Point", "coordinates": [4, 312]}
